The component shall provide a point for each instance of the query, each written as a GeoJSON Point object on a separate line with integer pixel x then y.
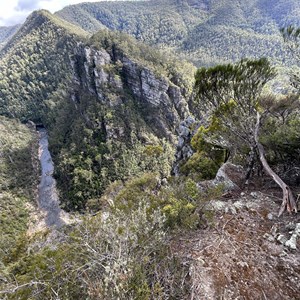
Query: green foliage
{"type": "Point", "coordinates": [18, 181]}
{"type": "Point", "coordinates": [87, 161]}
{"type": "Point", "coordinates": [125, 256]}
{"type": "Point", "coordinates": [185, 204]}
{"type": "Point", "coordinates": [153, 151]}
{"type": "Point", "coordinates": [200, 166]}
{"type": "Point", "coordinates": [137, 189]}
{"type": "Point", "coordinates": [232, 95]}
{"type": "Point", "coordinates": [205, 33]}
{"type": "Point", "coordinates": [33, 64]}
{"type": "Point", "coordinates": [291, 36]}
{"type": "Point", "coordinates": [209, 154]}
{"type": "Point", "coordinates": [208, 157]}
{"type": "Point", "coordinates": [230, 87]}
{"type": "Point", "coordinates": [281, 133]}
{"type": "Point", "coordinates": [180, 214]}
{"type": "Point", "coordinates": [181, 201]}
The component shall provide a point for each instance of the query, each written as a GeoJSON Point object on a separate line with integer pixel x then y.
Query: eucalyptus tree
{"type": "Point", "coordinates": [291, 36]}
{"type": "Point", "coordinates": [232, 96]}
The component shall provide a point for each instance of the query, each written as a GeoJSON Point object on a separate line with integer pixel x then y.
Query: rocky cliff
{"type": "Point", "coordinates": [99, 73]}
{"type": "Point", "coordinates": [122, 117]}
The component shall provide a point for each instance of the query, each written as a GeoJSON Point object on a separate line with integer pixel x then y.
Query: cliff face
{"type": "Point", "coordinates": [122, 120]}
{"type": "Point", "coordinates": [163, 104]}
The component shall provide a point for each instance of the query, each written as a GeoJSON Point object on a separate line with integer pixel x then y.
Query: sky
{"type": "Point", "coordinates": [15, 11]}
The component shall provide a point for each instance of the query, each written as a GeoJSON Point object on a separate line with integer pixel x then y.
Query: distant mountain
{"type": "Point", "coordinates": [6, 32]}
{"type": "Point", "coordinates": [205, 31]}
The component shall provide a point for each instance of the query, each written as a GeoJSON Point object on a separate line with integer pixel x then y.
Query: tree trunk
{"type": "Point", "coordinates": [250, 164]}
{"type": "Point", "coordinates": [288, 201]}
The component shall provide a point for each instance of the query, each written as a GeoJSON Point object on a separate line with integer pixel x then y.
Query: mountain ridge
{"type": "Point", "coordinates": [195, 28]}
{"type": "Point", "coordinates": [34, 62]}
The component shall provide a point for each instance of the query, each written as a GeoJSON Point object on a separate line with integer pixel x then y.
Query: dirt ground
{"type": "Point", "coordinates": [244, 254]}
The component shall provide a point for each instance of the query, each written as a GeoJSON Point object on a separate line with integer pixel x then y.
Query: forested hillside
{"type": "Point", "coordinates": [33, 64]}
{"type": "Point", "coordinates": [18, 184]}
{"type": "Point", "coordinates": [127, 101]}
{"type": "Point", "coordinates": [206, 32]}
{"type": "Point", "coordinates": [172, 177]}
{"type": "Point", "coordinates": [111, 106]}
{"type": "Point", "coordinates": [109, 102]}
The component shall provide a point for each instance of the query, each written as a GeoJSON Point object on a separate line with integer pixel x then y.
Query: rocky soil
{"type": "Point", "coordinates": [247, 252]}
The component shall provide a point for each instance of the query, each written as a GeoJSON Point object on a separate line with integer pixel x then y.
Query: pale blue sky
{"type": "Point", "coordinates": [15, 11]}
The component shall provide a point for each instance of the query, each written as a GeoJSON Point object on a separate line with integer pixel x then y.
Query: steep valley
{"type": "Point", "coordinates": [171, 199]}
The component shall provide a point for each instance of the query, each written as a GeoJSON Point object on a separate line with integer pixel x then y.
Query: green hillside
{"type": "Point", "coordinates": [107, 101]}
{"type": "Point", "coordinates": [122, 118]}
{"type": "Point", "coordinates": [127, 101]}
{"type": "Point", "coordinates": [33, 64]}
{"type": "Point", "coordinates": [206, 32]}
{"type": "Point", "coordinates": [18, 183]}
{"type": "Point", "coordinates": [111, 106]}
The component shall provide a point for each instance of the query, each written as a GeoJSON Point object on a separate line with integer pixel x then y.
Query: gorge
{"type": "Point", "coordinates": [48, 196]}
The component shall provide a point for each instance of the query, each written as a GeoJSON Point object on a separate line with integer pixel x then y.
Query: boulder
{"type": "Point", "coordinates": [231, 176]}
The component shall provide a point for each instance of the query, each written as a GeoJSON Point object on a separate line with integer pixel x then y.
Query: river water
{"type": "Point", "coordinates": [48, 196]}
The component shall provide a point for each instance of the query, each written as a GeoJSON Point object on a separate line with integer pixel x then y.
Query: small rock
{"type": "Point", "coordinates": [291, 243]}
{"type": "Point", "coordinates": [290, 226]}
{"type": "Point", "coordinates": [231, 176]}
{"type": "Point", "coordinates": [233, 210]}
{"type": "Point", "coordinates": [283, 254]}
{"type": "Point", "coordinates": [270, 216]}
{"type": "Point", "coordinates": [105, 216]}
{"type": "Point", "coordinates": [190, 120]}
{"type": "Point", "coordinates": [164, 181]}
{"type": "Point", "coordinates": [201, 262]}
{"type": "Point", "coordinates": [180, 143]}
{"type": "Point", "coordinates": [269, 237]}
{"type": "Point", "coordinates": [183, 131]}
{"type": "Point", "coordinates": [242, 194]}
{"type": "Point", "coordinates": [281, 239]}
{"type": "Point", "coordinates": [254, 195]}
{"type": "Point", "coordinates": [243, 264]}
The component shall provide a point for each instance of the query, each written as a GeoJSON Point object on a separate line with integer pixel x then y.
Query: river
{"type": "Point", "coordinates": [48, 195]}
